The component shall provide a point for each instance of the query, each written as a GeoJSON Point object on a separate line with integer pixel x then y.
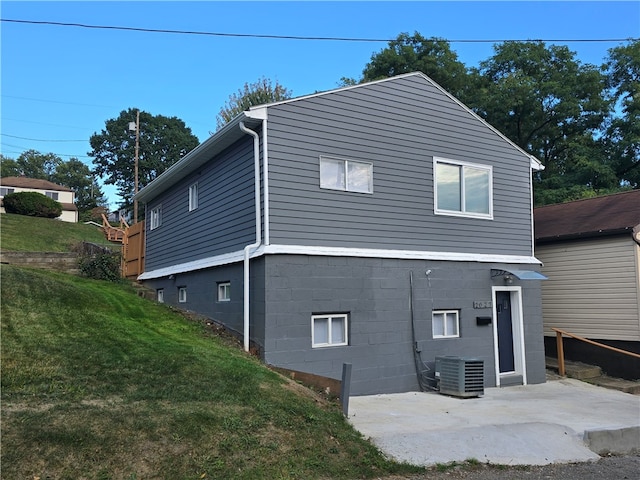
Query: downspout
{"type": "Point", "coordinates": [265, 182]}
{"type": "Point", "coordinates": [256, 244]}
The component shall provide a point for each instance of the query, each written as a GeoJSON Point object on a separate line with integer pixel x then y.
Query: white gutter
{"type": "Point", "coordinates": [256, 244]}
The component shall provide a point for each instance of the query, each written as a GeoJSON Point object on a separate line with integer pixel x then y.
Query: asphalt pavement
{"type": "Point", "coordinates": [560, 421]}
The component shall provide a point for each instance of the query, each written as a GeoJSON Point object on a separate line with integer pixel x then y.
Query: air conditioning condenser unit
{"type": "Point", "coordinates": [460, 377]}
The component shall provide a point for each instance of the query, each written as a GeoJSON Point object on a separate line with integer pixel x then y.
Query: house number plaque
{"type": "Point", "coordinates": [482, 304]}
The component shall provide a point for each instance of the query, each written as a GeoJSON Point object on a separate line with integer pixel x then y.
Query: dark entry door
{"type": "Point", "coordinates": [505, 332]}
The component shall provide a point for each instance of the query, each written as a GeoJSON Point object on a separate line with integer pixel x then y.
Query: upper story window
{"type": "Point", "coordinates": [329, 330]}
{"type": "Point", "coordinates": [463, 189]}
{"type": "Point", "coordinates": [52, 195]}
{"type": "Point", "coordinates": [155, 219]}
{"type": "Point", "coordinates": [445, 323]}
{"type": "Point", "coordinates": [193, 197]}
{"type": "Point", "coordinates": [5, 191]}
{"type": "Point", "coordinates": [346, 175]}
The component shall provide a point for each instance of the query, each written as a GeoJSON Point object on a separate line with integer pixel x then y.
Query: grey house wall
{"type": "Point", "coordinates": [376, 295]}
{"type": "Point", "coordinates": [224, 220]}
{"type": "Point", "coordinates": [399, 126]}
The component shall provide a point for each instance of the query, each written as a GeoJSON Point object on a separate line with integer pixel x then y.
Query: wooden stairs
{"type": "Point", "coordinates": [114, 234]}
{"type": "Point", "coordinates": [593, 374]}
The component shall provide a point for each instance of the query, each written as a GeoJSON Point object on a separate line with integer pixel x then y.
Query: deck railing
{"type": "Point", "coordinates": [560, 347]}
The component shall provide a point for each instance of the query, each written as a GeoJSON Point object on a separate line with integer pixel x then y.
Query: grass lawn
{"type": "Point", "coordinates": [20, 233]}
{"type": "Point", "coordinates": [98, 383]}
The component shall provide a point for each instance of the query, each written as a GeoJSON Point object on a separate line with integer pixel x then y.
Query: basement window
{"type": "Point", "coordinates": [445, 323]}
{"type": "Point", "coordinates": [182, 294]}
{"type": "Point", "coordinates": [224, 291]}
{"type": "Point", "coordinates": [329, 330]}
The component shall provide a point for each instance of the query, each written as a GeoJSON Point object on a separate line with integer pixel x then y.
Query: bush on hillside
{"type": "Point", "coordinates": [98, 262]}
{"type": "Point", "coordinates": [32, 204]}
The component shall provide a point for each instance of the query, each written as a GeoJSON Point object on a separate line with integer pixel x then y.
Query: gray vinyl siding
{"type": "Point", "coordinates": [224, 220]}
{"type": "Point", "coordinates": [399, 126]}
{"type": "Point", "coordinates": [592, 290]}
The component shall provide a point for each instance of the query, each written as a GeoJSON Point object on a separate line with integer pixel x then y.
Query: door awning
{"type": "Point", "coordinates": [519, 274]}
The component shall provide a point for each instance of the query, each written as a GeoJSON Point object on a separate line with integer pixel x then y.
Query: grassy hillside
{"type": "Point", "coordinates": [98, 383]}
{"type": "Point", "coordinates": [19, 233]}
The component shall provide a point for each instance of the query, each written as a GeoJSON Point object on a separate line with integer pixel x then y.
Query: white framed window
{"type": "Point", "coordinates": [5, 191]}
{"type": "Point", "coordinates": [160, 295]}
{"type": "Point", "coordinates": [463, 189]}
{"type": "Point", "coordinates": [193, 197]}
{"type": "Point", "coordinates": [445, 323]}
{"type": "Point", "coordinates": [155, 217]}
{"type": "Point", "coordinates": [182, 294]}
{"type": "Point", "coordinates": [329, 330]}
{"type": "Point", "coordinates": [224, 291]}
{"type": "Point", "coordinates": [346, 175]}
{"type": "Point", "coordinates": [52, 195]}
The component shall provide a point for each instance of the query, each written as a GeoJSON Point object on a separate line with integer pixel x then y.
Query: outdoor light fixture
{"type": "Point", "coordinates": [508, 280]}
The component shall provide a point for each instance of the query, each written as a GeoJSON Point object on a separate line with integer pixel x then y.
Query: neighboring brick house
{"type": "Point", "coordinates": [61, 194]}
{"type": "Point", "coordinates": [381, 225]}
{"type": "Point", "coordinates": [593, 267]}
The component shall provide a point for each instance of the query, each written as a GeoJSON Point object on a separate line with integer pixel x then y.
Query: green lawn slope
{"type": "Point", "coordinates": [98, 383]}
{"type": "Point", "coordinates": [20, 233]}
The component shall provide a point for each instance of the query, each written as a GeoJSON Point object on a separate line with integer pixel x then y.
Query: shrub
{"type": "Point", "coordinates": [32, 204]}
{"type": "Point", "coordinates": [98, 262]}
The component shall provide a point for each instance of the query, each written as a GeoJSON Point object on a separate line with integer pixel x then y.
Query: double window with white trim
{"type": "Point", "coordinates": [329, 330]}
{"type": "Point", "coordinates": [445, 323]}
{"type": "Point", "coordinates": [346, 175]}
{"type": "Point", "coordinates": [463, 189]}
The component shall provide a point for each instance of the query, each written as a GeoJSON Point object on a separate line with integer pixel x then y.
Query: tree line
{"type": "Point", "coordinates": [582, 121]}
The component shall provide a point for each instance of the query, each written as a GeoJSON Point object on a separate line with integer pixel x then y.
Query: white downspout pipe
{"type": "Point", "coordinates": [256, 244]}
{"type": "Point", "coordinates": [265, 182]}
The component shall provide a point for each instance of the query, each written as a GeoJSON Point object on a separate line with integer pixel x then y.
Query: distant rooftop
{"type": "Point", "coordinates": [26, 182]}
{"type": "Point", "coordinates": [606, 215]}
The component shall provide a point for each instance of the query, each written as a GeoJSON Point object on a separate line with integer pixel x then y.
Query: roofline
{"type": "Point", "coordinates": [535, 164]}
{"type": "Point", "coordinates": [205, 150]}
{"type": "Point", "coordinates": [256, 114]}
{"type": "Point", "coordinates": [584, 235]}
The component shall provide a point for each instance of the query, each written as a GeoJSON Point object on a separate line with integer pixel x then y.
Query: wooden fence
{"type": "Point", "coordinates": [133, 251]}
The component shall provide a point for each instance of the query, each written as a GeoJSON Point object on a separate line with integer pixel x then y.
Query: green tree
{"type": "Point", "coordinates": [77, 176]}
{"type": "Point", "coordinates": [8, 167]}
{"type": "Point", "coordinates": [257, 93]}
{"type": "Point", "coordinates": [34, 164]}
{"type": "Point", "coordinates": [413, 53]}
{"type": "Point", "coordinates": [553, 107]}
{"type": "Point", "coordinates": [622, 138]}
{"type": "Point", "coordinates": [163, 141]}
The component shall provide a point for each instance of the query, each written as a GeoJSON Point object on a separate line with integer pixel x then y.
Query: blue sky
{"type": "Point", "coordinates": [60, 84]}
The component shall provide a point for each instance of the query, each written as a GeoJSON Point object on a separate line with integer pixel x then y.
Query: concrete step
{"type": "Point", "coordinates": [627, 386]}
{"type": "Point", "coordinates": [577, 370]}
{"type": "Point", "coordinates": [593, 375]}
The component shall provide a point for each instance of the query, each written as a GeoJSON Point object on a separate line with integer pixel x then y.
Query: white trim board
{"type": "Point", "coordinates": [237, 256]}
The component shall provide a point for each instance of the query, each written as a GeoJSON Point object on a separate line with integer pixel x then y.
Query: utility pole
{"type": "Point", "coordinates": [136, 127]}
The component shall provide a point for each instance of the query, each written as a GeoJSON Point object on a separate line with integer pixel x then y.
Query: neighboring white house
{"type": "Point", "coordinates": [61, 194]}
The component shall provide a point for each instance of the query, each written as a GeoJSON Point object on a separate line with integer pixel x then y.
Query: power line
{"type": "Point", "coordinates": [23, 149]}
{"type": "Point", "coordinates": [57, 101]}
{"type": "Point", "coordinates": [39, 139]}
{"type": "Point", "coordinates": [296, 37]}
